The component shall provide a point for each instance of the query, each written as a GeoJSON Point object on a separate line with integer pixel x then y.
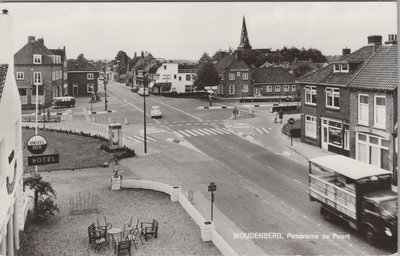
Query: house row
{"type": "Point", "coordinates": [349, 107]}
{"type": "Point", "coordinates": [47, 72]}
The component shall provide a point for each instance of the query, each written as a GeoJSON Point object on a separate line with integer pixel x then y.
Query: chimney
{"type": "Point", "coordinates": [238, 54]}
{"type": "Point", "coordinates": [392, 39]}
{"type": "Point", "coordinates": [6, 44]}
{"type": "Point", "coordinates": [346, 51]}
{"type": "Point", "coordinates": [31, 38]}
{"type": "Point", "coordinates": [375, 40]}
{"type": "Point", "coordinates": [142, 54]}
{"type": "Point", "coordinates": [41, 40]}
{"type": "Point", "coordinates": [135, 55]}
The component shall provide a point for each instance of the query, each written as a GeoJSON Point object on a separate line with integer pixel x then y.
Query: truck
{"type": "Point", "coordinates": [356, 192]}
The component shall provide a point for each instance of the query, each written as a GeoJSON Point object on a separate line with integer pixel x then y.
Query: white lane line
{"type": "Point", "coordinates": [265, 130]}
{"type": "Point", "coordinates": [177, 109]}
{"type": "Point", "coordinates": [202, 130]}
{"type": "Point", "coordinates": [227, 130]}
{"type": "Point", "coordinates": [198, 132]}
{"type": "Point", "coordinates": [178, 134]}
{"type": "Point", "coordinates": [147, 138]}
{"type": "Point", "coordinates": [191, 133]}
{"type": "Point", "coordinates": [269, 167]}
{"type": "Point", "coordinates": [184, 133]}
{"type": "Point", "coordinates": [180, 124]}
{"type": "Point", "coordinates": [141, 110]}
{"type": "Point", "coordinates": [188, 124]}
{"type": "Point", "coordinates": [134, 139]}
{"type": "Point", "coordinates": [208, 130]}
{"type": "Point", "coordinates": [219, 129]}
{"type": "Point", "coordinates": [212, 129]}
{"type": "Point", "coordinates": [258, 130]}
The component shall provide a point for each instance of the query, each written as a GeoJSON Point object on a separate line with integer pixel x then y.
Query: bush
{"type": "Point", "coordinates": [119, 153]}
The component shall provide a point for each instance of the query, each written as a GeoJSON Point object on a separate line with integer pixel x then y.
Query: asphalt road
{"type": "Point", "coordinates": [271, 191]}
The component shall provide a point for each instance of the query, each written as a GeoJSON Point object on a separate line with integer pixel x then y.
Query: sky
{"type": "Point", "coordinates": [187, 30]}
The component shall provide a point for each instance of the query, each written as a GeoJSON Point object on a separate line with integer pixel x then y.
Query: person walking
{"type": "Point", "coordinates": [280, 115]}
{"type": "Point", "coordinates": [275, 116]}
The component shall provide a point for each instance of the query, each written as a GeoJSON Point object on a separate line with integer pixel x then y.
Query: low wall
{"type": "Point", "coordinates": [208, 231]}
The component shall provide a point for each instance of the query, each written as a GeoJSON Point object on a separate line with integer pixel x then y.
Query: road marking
{"type": "Point", "coordinates": [265, 130]}
{"type": "Point", "coordinates": [269, 167]}
{"type": "Point", "coordinates": [249, 157]}
{"type": "Point", "coordinates": [192, 133]}
{"type": "Point", "coordinates": [205, 132]}
{"type": "Point", "coordinates": [140, 138]}
{"type": "Point", "coordinates": [225, 129]}
{"type": "Point", "coordinates": [213, 129]}
{"type": "Point", "coordinates": [198, 132]}
{"type": "Point", "coordinates": [188, 124]}
{"type": "Point", "coordinates": [180, 124]}
{"type": "Point", "coordinates": [178, 134]}
{"type": "Point", "coordinates": [219, 129]}
{"type": "Point", "coordinates": [258, 130]}
{"type": "Point", "coordinates": [232, 148]}
{"type": "Point", "coordinates": [208, 130]}
{"type": "Point", "coordinates": [185, 134]}
{"type": "Point", "coordinates": [177, 109]}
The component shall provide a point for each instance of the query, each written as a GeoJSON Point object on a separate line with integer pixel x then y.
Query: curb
{"type": "Point", "coordinates": [221, 107]}
{"type": "Point", "coordinates": [100, 112]}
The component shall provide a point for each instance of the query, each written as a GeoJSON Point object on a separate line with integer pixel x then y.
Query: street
{"type": "Point", "coordinates": [266, 191]}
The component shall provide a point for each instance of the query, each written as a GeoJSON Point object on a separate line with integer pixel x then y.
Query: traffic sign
{"type": "Point", "coordinates": [291, 121]}
{"type": "Point", "coordinates": [37, 144]}
{"type": "Point", "coordinates": [43, 159]}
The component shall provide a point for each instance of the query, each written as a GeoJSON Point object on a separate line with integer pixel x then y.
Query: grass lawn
{"type": "Point", "coordinates": [75, 151]}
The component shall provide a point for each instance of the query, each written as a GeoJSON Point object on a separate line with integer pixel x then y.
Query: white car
{"type": "Point", "coordinates": [155, 112]}
{"type": "Point", "coordinates": [142, 91]}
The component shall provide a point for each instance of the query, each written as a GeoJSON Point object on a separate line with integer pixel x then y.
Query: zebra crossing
{"type": "Point", "coordinates": [140, 138]}
{"type": "Point", "coordinates": [201, 132]}
{"type": "Point", "coordinates": [263, 130]}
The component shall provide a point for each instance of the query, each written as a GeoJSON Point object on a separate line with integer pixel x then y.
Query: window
{"type": "Point", "coordinates": [22, 92]}
{"type": "Point", "coordinates": [332, 97]}
{"type": "Point", "coordinates": [245, 76]}
{"type": "Point", "coordinates": [294, 88]}
{"type": "Point", "coordinates": [336, 68]}
{"type": "Point", "coordinates": [232, 89]}
{"type": "Point", "coordinates": [238, 74]}
{"type": "Point", "coordinates": [311, 127]}
{"type": "Point", "coordinates": [37, 59]}
{"type": "Point", "coordinates": [20, 75]}
{"type": "Point", "coordinates": [277, 88]}
{"type": "Point", "coordinates": [380, 112]}
{"type": "Point", "coordinates": [188, 88]}
{"type": "Point", "coordinates": [341, 67]}
{"type": "Point", "coordinates": [221, 76]}
{"type": "Point", "coordinates": [90, 76]}
{"type": "Point", "coordinates": [345, 67]}
{"type": "Point", "coordinates": [180, 78]}
{"type": "Point", "coordinates": [187, 77]}
{"type": "Point", "coordinates": [90, 88]}
{"type": "Point", "coordinates": [363, 111]}
{"type": "Point", "coordinates": [286, 88]}
{"type": "Point", "coordinates": [268, 88]}
{"type": "Point", "coordinates": [232, 76]}
{"type": "Point", "coordinates": [165, 67]}
{"type": "Point", "coordinates": [372, 150]}
{"type": "Point", "coordinates": [311, 95]}
{"type": "Point", "coordinates": [37, 78]}
{"type": "Point", "coordinates": [245, 88]}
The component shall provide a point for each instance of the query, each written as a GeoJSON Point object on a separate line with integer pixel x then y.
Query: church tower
{"type": "Point", "coordinates": [244, 38]}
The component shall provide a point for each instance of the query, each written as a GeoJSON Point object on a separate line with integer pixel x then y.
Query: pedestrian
{"type": "Point", "coordinates": [275, 115]}
{"type": "Point", "coordinates": [280, 115]}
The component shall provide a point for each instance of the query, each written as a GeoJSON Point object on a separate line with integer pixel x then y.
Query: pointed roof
{"type": "Point", "coordinates": [80, 64]}
{"type": "Point", "coordinates": [244, 38]}
{"type": "Point", "coordinates": [224, 63]}
{"type": "Point", "coordinates": [3, 75]}
{"type": "Point", "coordinates": [25, 54]}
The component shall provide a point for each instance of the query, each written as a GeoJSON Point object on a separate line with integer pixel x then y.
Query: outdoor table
{"type": "Point", "coordinates": [113, 232]}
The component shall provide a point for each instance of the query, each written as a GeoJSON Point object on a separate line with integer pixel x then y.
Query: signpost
{"type": "Point", "coordinates": [212, 187]}
{"type": "Point", "coordinates": [291, 122]}
{"type": "Point", "coordinates": [37, 145]}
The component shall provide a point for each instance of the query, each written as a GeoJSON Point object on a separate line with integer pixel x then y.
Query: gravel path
{"type": "Point", "coordinates": [67, 235]}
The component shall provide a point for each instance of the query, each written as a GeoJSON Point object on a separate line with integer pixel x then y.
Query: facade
{"type": "Point", "coordinates": [325, 100]}
{"type": "Point", "coordinates": [274, 82]}
{"type": "Point", "coordinates": [139, 67]}
{"type": "Point", "coordinates": [82, 78]}
{"type": "Point", "coordinates": [36, 65]}
{"type": "Point", "coordinates": [373, 109]}
{"type": "Point", "coordinates": [64, 79]}
{"type": "Point", "coordinates": [174, 77]}
{"type": "Point", "coordinates": [14, 204]}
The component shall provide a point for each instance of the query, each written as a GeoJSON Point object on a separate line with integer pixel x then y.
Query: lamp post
{"type": "Point", "coordinates": [36, 112]}
{"type": "Point", "coordinates": [394, 134]}
{"type": "Point", "coordinates": [105, 81]}
{"type": "Point", "coordinates": [144, 112]}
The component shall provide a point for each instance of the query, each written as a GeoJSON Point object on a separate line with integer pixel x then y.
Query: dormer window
{"type": "Point", "coordinates": [37, 59]}
{"type": "Point", "coordinates": [90, 76]}
{"type": "Point", "coordinates": [341, 67]}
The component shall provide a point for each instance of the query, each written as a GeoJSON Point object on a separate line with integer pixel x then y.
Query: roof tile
{"type": "Point", "coordinates": [272, 75]}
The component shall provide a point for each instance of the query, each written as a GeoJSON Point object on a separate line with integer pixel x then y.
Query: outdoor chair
{"type": "Point", "coordinates": [97, 237]}
{"type": "Point", "coordinates": [134, 236]}
{"type": "Point", "coordinates": [149, 228]}
{"type": "Point", "coordinates": [124, 246]}
{"type": "Point", "coordinates": [103, 225]}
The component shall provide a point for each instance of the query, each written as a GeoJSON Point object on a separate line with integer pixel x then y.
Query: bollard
{"type": "Point", "coordinates": [126, 121]}
{"type": "Point", "coordinates": [109, 120]}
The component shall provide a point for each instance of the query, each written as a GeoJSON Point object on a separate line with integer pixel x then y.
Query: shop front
{"type": "Point", "coordinates": [335, 136]}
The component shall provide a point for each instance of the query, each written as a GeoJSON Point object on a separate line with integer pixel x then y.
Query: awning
{"type": "Point", "coordinates": [152, 84]}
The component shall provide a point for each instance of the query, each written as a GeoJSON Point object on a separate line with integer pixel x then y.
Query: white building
{"type": "Point", "coordinates": [179, 77]}
{"type": "Point", "coordinates": [13, 206]}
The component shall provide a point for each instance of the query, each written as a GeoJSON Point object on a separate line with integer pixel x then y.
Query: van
{"type": "Point", "coordinates": [60, 102]}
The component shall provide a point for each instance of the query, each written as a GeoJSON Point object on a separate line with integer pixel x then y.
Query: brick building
{"type": "Point", "coordinates": [274, 82]}
{"type": "Point", "coordinates": [325, 100]}
{"type": "Point", "coordinates": [373, 109]}
{"type": "Point", "coordinates": [82, 77]}
{"type": "Point", "coordinates": [35, 64]}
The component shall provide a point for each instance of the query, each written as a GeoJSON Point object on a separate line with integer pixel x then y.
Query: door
{"type": "Point", "coordinates": [324, 134]}
{"type": "Point", "coordinates": [256, 91]}
{"type": "Point", "coordinates": [75, 90]}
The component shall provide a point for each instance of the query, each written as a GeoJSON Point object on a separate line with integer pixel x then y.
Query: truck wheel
{"type": "Point", "coordinates": [370, 235]}
{"type": "Point", "coordinates": [326, 214]}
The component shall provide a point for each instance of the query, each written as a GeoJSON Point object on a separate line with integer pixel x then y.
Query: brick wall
{"type": "Point", "coordinates": [80, 78]}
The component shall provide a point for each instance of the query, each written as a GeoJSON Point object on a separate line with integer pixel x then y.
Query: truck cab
{"type": "Point", "coordinates": [379, 216]}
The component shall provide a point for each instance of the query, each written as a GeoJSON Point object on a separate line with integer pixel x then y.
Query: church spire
{"type": "Point", "coordinates": [244, 38]}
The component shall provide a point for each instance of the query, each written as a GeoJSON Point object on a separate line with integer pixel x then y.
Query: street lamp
{"type": "Point", "coordinates": [394, 134]}
{"type": "Point", "coordinates": [144, 111]}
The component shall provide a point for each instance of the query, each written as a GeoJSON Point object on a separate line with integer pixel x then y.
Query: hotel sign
{"type": "Point", "coordinates": [43, 159]}
{"type": "Point", "coordinates": [37, 144]}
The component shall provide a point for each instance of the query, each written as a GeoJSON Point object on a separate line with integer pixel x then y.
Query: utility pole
{"type": "Point", "coordinates": [144, 113]}
{"type": "Point", "coordinates": [212, 187]}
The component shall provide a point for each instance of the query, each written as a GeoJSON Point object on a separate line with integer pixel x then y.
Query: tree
{"type": "Point", "coordinates": [204, 58]}
{"type": "Point", "coordinates": [44, 206]}
{"type": "Point", "coordinates": [207, 75]}
{"type": "Point", "coordinates": [301, 70]}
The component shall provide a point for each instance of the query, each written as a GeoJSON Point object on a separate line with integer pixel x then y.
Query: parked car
{"type": "Point", "coordinates": [155, 112]}
{"type": "Point", "coordinates": [134, 89]}
{"type": "Point", "coordinates": [142, 91]}
{"type": "Point", "coordinates": [60, 102]}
